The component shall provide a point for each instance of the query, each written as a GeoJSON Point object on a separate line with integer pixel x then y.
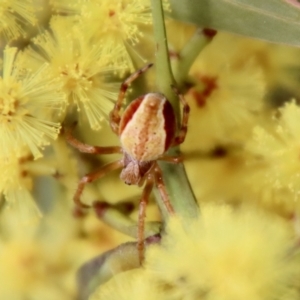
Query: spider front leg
{"type": "Point", "coordinates": [162, 189]}
{"type": "Point", "coordinates": [92, 177]}
{"type": "Point", "coordinates": [172, 159]}
{"type": "Point", "coordinates": [179, 139]}
{"type": "Point", "coordinates": [85, 148]}
{"type": "Point", "coordinates": [155, 175]}
{"type": "Point", "coordinates": [142, 214]}
{"type": "Point", "coordinates": [115, 114]}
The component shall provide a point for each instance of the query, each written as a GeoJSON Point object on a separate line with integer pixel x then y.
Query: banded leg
{"type": "Point", "coordinates": [92, 177]}
{"type": "Point", "coordinates": [85, 148]}
{"type": "Point", "coordinates": [162, 189]}
{"type": "Point", "coordinates": [115, 114]}
{"type": "Point", "coordinates": [185, 117]}
{"type": "Point", "coordinates": [142, 214]}
{"type": "Point", "coordinates": [172, 159]}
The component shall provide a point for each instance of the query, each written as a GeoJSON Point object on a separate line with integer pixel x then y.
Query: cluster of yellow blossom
{"type": "Point", "coordinates": [42, 261]}
{"type": "Point", "coordinates": [15, 17]}
{"type": "Point", "coordinates": [273, 173]}
{"type": "Point", "coordinates": [111, 24]}
{"type": "Point", "coordinates": [248, 148]}
{"type": "Point", "coordinates": [60, 62]}
{"type": "Point", "coordinates": [227, 254]}
{"type": "Point", "coordinates": [69, 67]}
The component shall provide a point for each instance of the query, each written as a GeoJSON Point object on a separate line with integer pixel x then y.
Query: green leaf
{"type": "Point", "coordinates": [275, 21]}
{"type": "Point", "coordinates": [103, 267]}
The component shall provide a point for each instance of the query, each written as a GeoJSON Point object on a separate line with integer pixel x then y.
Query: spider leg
{"type": "Point", "coordinates": [172, 159]}
{"type": "Point", "coordinates": [85, 148]}
{"type": "Point", "coordinates": [185, 117]}
{"type": "Point", "coordinates": [142, 214]}
{"type": "Point", "coordinates": [92, 177]}
{"type": "Point", "coordinates": [162, 189]}
{"type": "Point", "coordinates": [115, 114]}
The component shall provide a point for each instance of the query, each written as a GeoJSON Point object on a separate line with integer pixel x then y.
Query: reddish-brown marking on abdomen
{"type": "Point", "coordinates": [129, 112]}
{"type": "Point", "coordinates": [170, 124]}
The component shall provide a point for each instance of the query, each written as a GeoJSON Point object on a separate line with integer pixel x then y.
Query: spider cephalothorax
{"type": "Point", "coordinates": [147, 129]}
{"type": "Point", "coordinates": [134, 171]}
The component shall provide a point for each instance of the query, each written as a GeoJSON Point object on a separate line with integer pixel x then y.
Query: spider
{"type": "Point", "coordinates": [146, 129]}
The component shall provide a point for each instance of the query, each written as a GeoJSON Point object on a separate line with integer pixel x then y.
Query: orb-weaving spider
{"type": "Point", "coordinates": [146, 129]}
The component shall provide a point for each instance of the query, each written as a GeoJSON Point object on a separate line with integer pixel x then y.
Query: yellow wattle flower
{"type": "Point", "coordinates": [14, 16]}
{"type": "Point", "coordinates": [226, 254]}
{"type": "Point", "coordinates": [84, 69]}
{"type": "Point", "coordinates": [226, 97]}
{"type": "Point", "coordinates": [29, 105]}
{"type": "Point", "coordinates": [273, 166]}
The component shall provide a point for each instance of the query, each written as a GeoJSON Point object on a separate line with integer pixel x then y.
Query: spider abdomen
{"type": "Point", "coordinates": [147, 127]}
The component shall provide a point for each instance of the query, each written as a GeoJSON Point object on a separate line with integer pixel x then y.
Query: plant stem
{"type": "Point", "coordinates": [164, 75]}
{"type": "Point", "coordinates": [120, 221]}
{"type": "Point", "coordinates": [176, 181]}
{"type": "Point", "coordinates": [190, 52]}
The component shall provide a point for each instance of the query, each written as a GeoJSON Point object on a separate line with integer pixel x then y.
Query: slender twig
{"type": "Point", "coordinates": [178, 186]}
{"type": "Point", "coordinates": [164, 75]}
{"type": "Point", "coordinates": [118, 220]}
{"type": "Point", "coordinates": [189, 53]}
